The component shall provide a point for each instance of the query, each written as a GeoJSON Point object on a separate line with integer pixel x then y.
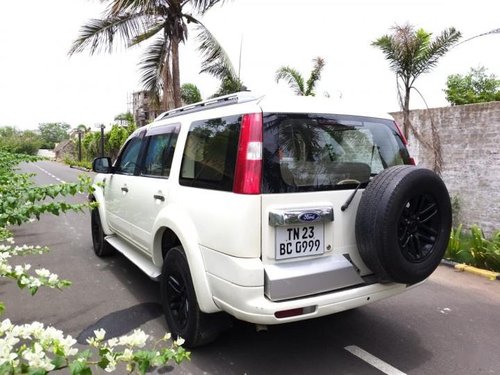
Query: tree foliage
{"type": "Point", "coordinates": [475, 87]}
{"type": "Point", "coordinates": [190, 93]}
{"type": "Point", "coordinates": [53, 133]}
{"type": "Point", "coordinates": [410, 53]}
{"type": "Point", "coordinates": [164, 24]}
{"type": "Point", "coordinates": [297, 82]}
{"type": "Point", "coordinates": [16, 141]}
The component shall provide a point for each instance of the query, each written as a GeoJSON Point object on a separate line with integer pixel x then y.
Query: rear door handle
{"type": "Point", "coordinates": [125, 189]}
{"type": "Point", "coordinates": [159, 197]}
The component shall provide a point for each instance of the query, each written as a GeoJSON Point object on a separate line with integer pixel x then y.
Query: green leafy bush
{"type": "Point", "coordinates": [474, 249]}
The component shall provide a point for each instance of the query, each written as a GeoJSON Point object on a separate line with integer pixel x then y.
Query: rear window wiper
{"type": "Point", "coordinates": [345, 206]}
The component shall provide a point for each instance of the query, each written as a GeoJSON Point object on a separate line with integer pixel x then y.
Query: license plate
{"type": "Point", "coordinates": [299, 241]}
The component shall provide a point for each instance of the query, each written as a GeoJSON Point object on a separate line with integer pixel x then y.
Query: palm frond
{"type": "Point", "coordinates": [319, 64]}
{"type": "Point", "coordinates": [292, 77]}
{"type": "Point", "coordinates": [215, 60]}
{"type": "Point", "coordinates": [99, 34]}
{"type": "Point", "coordinates": [152, 64]}
{"type": "Point", "coordinates": [151, 32]}
{"type": "Point", "coordinates": [201, 6]}
{"type": "Point", "coordinates": [436, 49]}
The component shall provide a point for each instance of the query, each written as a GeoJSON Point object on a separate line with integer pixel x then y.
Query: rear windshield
{"type": "Point", "coordinates": [326, 152]}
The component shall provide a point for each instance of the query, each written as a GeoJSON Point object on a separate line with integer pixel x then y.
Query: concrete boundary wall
{"type": "Point", "coordinates": [470, 141]}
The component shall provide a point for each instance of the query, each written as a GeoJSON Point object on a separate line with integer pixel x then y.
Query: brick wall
{"type": "Point", "coordinates": [470, 141]}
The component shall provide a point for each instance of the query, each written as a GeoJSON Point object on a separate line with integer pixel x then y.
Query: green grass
{"type": "Point", "coordinates": [474, 249]}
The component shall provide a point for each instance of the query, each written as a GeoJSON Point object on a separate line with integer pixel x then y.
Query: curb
{"type": "Point", "coordinates": [79, 168]}
{"type": "Point", "coordinates": [491, 275]}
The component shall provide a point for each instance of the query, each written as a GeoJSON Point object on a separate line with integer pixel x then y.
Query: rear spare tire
{"type": "Point", "coordinates": [403, 224]}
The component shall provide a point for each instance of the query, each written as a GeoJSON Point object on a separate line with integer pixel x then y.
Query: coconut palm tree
{"type": "Point", "coordinates": [164, 24]}
{"type": "Point", "coordinates": [410, 53]}
{"type": "Point", "coordinates": [296, 81]}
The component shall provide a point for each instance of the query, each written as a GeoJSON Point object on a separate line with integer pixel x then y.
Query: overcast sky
{"type": "Point", "coordinates": [40, 83]}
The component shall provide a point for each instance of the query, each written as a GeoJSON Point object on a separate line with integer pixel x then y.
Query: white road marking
{"type": "Point", "coordinates": [50, 174]}
{"type": "Point", "coordinates": [374, 361]}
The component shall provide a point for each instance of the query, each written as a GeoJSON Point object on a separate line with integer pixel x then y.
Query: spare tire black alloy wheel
{"type": "Point", "coordinates": [418, 228]}
{"type": "Point", "coordinates": [403, 224]}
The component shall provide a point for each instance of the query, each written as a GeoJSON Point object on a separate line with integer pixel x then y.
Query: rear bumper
{"type": "Point", "coordinates": [238, 288]}
{"type": "Point", "coordinates": [250, 304]}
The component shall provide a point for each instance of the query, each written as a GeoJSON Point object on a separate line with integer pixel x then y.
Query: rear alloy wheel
{"type": "Point", "coordinates": [101, 247]}
{"type": "Point", "coordinates": [183, 315]}
{"type": "Point", "coordinates": [403, 224]}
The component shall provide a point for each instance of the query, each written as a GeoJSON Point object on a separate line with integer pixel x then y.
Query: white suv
{"type": "Point", "coordinates": [269, 210]}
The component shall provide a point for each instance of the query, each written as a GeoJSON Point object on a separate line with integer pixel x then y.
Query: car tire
{"type": "Point", "coordinates": [403, 224]}
{"type": "Point", "coordinates": [183, 315]}
{"type": "Point", "coordinates": [101, 247]}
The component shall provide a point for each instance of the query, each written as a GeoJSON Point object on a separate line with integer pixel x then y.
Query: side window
{"type": "Point", "coordinates": [210, 153]}
{"type": "Point", "coordinates": [159, 155]}
{"type": "Point", "coordinates": [128, 159]}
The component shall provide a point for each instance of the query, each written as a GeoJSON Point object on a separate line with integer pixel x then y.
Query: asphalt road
{"type": "Point", "coordinates": [448, 325]}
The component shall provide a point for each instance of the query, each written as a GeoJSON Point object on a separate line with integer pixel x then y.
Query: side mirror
{"type": "Point", "coordinates": [102, 165]}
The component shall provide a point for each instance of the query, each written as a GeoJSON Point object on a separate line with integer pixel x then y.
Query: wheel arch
{"type": "Point", "coordinates": [173, 228]}
{"type": "Point", "coordinates": [98, 197]}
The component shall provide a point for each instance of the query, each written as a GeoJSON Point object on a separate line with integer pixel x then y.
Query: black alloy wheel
{"type": "Point", "coordinates": [418, 228]}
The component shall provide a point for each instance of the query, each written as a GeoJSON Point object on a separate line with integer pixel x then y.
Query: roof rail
{"type": "Point", "coordinates": [238, 97]}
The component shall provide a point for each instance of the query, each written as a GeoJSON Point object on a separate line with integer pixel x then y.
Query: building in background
{"type": "Point", "coordinates": [143, 108]}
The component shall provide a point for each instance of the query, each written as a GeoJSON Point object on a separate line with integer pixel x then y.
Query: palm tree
{"type": "Point", "coordinates": [164, 23]}
{"type": "Point", "coordinates": [296, 81]}
{"type": "Point", "coordinates": [411, 53]}
{"type": "Point", "coordinates": [217, 63]}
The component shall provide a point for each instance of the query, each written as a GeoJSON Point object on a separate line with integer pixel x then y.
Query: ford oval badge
{"type": "Point", "coordinates": [309, 217]}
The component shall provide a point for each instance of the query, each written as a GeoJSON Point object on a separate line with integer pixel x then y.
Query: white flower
{"type": "Point", "coordinates": [137, 339]}
{"type": "Point", "coordinates": [19, 270]}
{"type": "Point", "coordinates": [6, 325]}
{"type": "Point", "coordinates": [34, 283]}
{"type": "Point", "coordinates": [112, 342]}
{"type": "Point", "coordinates": [53, 279]}
{"type": "Point", "coordinates": [167, 336]}
{"type": "Point", "coordinates": [99, 334]}
{"type": "Point", "coordinates": [67, 346]}
{"type": "Point", "coordinates": [112, 363]}
{"type": "Point", "coordinates": [5, 269]}
{"type": "Point", "coordinates": [36, 358]}
{"type": "Point", "coordinates": [42, 272]}
{"type": "Point", "coordinates": [127, 355]}
{"type": "Point", "coordinates": [179, 341]}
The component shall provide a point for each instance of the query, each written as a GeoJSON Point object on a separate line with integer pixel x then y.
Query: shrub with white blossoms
{"type": "Point", "coordinates": [36, 349]}
{"type": "Point", "coordinates": [33, 348]}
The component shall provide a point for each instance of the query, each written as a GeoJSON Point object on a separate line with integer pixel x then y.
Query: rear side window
{"type": "Point", "coordinates": [325, 152]}
{"type": "Point", "coordinates": [210, 153]}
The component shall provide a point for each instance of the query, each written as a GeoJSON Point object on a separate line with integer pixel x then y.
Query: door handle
{"type": "Point", "coordinates": [125, 189]}
{"type": "Point", "coordinates": [159, 197]}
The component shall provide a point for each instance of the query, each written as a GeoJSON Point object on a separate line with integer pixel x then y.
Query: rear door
{"type": "Point", "coordinates": [312, 167]}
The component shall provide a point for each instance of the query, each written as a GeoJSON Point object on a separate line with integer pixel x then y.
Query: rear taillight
{"type": "Point", "coordinates": [248, 173]}
{"type": "Point", "coordinates": [405, 142]}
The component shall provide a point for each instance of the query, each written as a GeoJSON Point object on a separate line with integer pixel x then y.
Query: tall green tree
{"type": "Point", "coordinates": [297, 82]}
{"type": "Point", "coordinates": [164, 24]}
{"type": "Point", "coordinates": [190, 93]}
{"type": "Point", "coordinates": [52, 133]}
{"type": "Point", "coordinates": [410, 53]}
{"type": "Point", "coordinates": [475, 87]}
